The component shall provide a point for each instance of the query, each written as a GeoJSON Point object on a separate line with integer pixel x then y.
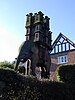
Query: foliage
{"type": "Point", "coordinates": [66, 73]}
{"type": "Point", "coordinates": [17, 87]}
{"type": "Point", "coordinates": [57, 74]}
{"type": "Point", "coordinates": [21, 69]}
{"type": "Point", "coordinates": [6, 64]}
{"type": "Point", "coordinates": [14, 86]}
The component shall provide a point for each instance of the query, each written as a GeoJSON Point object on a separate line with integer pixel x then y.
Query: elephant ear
{"type": "Point", "coordinates": [21, 46]}
{"type": "Point", "coordinates": [34, 50]}
{"type": "Point", "coordinates": [25, 47]}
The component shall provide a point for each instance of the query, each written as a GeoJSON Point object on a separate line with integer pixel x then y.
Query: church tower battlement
{"type": "Point", "coordinates": [37, 28]}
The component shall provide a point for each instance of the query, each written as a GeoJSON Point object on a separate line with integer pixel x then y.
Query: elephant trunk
{"type": "Point", "coordinates": [17, 63]}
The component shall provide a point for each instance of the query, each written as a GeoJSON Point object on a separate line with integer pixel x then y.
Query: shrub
{"type": "Point", "coordinates": [14, 86]}
{"type": "Point", "coordinates": [21, 69]}
{"type": "Point", "coordinates": [66, 73]}
{"type": "Point", "coordinates": [7, 65]}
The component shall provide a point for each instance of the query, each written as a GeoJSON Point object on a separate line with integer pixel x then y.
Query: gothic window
{"type": "Point", "coordinates": [27, 38]}
{"type": "Point", "coordinates": [36, 28]}
{"type": "Point", "coordinates": [62, 59]}
{"type": "Point", "coordinates": [28, 31]}
{"type": "Point", "coordinates": [36, 35]}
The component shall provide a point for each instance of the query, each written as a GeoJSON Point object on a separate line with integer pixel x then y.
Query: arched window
{"type": "Point", "coordinates": [36, 27]}
{"type": "Point", "coordinates": [27, 38]}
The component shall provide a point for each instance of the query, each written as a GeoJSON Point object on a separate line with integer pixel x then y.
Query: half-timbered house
{"type": "Point", "coordinates": [63, 52]}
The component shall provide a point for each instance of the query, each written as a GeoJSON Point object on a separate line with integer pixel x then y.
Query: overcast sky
{"type": "Point", "coordinates": [13, 18]}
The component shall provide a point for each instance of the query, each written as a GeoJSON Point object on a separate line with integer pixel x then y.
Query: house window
{"type": "Point", "coordinates": [62, 59]}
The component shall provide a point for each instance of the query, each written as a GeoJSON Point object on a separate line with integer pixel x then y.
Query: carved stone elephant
{"type": "Point", "coordinates": [28, 50]}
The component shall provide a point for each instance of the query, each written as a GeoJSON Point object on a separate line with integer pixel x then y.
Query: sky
{"type": "Point", "coordinates": [13, 18]}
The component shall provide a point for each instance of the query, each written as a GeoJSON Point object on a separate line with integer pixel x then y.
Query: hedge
{"type": "Point", "coordinates": [66, 73]}
{"type": "Point", "coordinates": [6, 64]}
{"type": "Point", "coordinates": [14, 86]}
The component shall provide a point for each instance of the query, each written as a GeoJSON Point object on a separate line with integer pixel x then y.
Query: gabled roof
{"type": "Point", "coordinates": [62, 39]}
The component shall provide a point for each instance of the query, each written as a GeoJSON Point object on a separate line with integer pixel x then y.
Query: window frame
{"type": "Point", "coordinates": [36, 35]}
{"type": "Point", "coordinates": [27, 38]}
{"type": "Point", "coordinates": [62, 59]}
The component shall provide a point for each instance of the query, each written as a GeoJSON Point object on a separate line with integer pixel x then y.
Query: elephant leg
{"type": "Point", "coordinates": [28, 66]}
{"type": "Point", "coordinates": [47, 73]}
{"type": "Point", "coordinates": [33, 71]}
{"type": "Point", "coordinates": [17, 63]}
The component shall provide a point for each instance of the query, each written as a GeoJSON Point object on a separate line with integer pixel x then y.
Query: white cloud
{"type": "Point", "coordinates": [9, 44]}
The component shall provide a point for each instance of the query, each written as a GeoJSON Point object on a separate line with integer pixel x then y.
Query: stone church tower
{"type": "Point", "coordinates": [37, 30]}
